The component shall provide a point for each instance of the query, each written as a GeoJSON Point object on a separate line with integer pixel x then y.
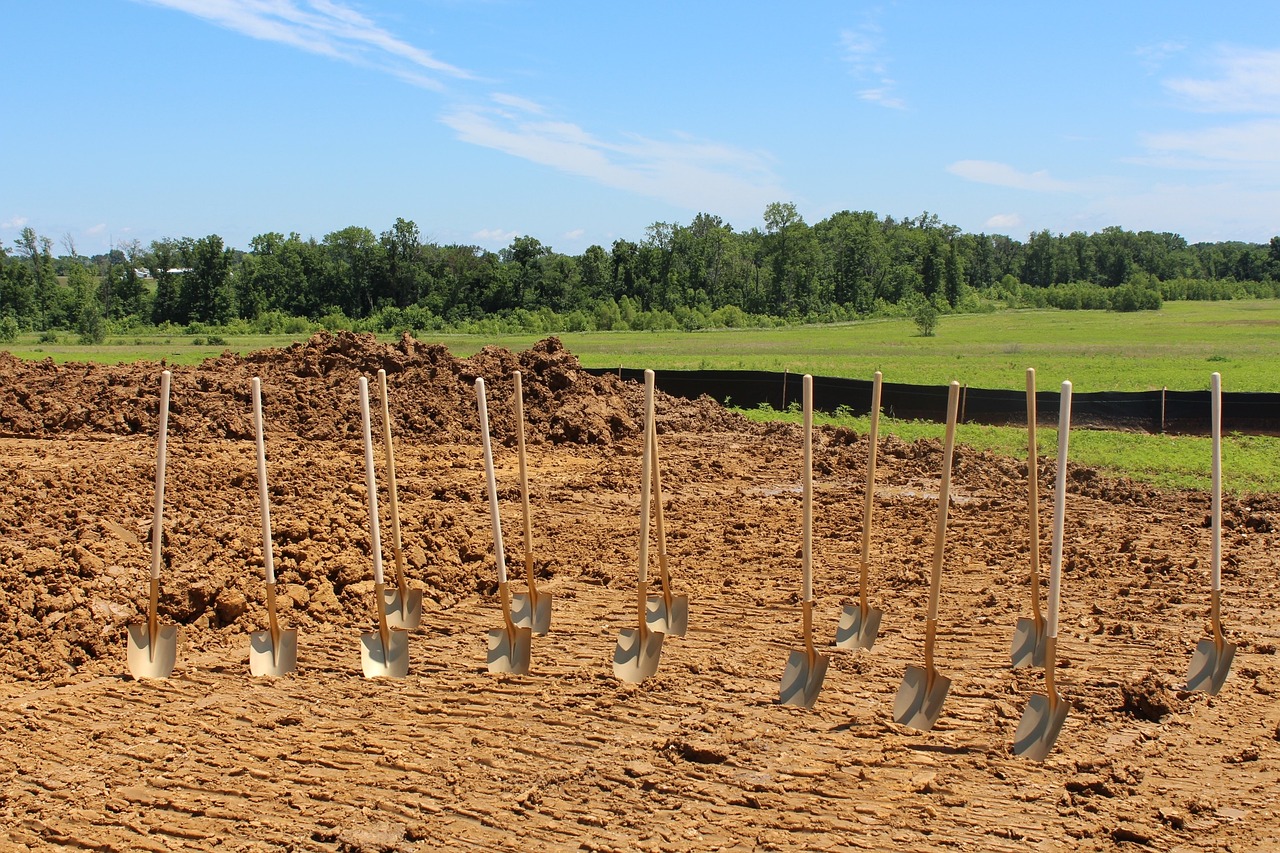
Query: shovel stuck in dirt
{"type": "Point", "coordinates": [1028, 647]}
{"type": "Point", "coordinates": [274, 651]}
{"type": "Point", "coordinates": [1211, 661]}
{"type": "Point", "coordinates": [805, 670]}
{"type": "Point", "coordinates": [403, 606]}
{"type": "Point", "coordinates": [1042, 721]}
{"type": "Point", "coordinates": [639, 649]}
{"type": "Point", "coordinates": [860, 623]}
{"type": "Point", "coordinates": [666, 613]}
{"type": "Point", "coordinates": [530, 609]}
{"type": "Point", "coordinates": [153, 648]}
{"type": "Point", "coordinates": [924, 689]}
{"type": "Point", "coordinates": [384, 653]}
{"type": "Point", "coordinates": [508, 645]}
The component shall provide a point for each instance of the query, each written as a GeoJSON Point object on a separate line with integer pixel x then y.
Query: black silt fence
{"type": "Point", "coordinates": [1185, 412]}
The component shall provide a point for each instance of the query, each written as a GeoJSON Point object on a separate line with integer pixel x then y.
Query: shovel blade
{"type": "Point", "coordinates": [404, 612]}
{"type": "Point", "coordinates": [536, 618]}
{"type": "Point", "coordinates": [1039, 728]}
{"type": "Point", "coordinates": [1028, 645]}
{"type": "Point", "coordinates": [856, 629]}
{"type": "Point", "coordinates": [152, 657]}
{"type": "Point", "coordinates": [384, 661]}
{"type": "Point", "coordinates": [637, 655]}
{"type": "Point", "coordinates": [277, 660]}
{"type": "Point", "coordinates": [802, 679]}
{"type": "Point", "coordinates": [920, 697]}
{"type": "Point", "coordinates": [509, 651]}
{"type": "Point", "coordinates": [672, 620]}
{"type": "Point", "coordinates": [1210, 665]}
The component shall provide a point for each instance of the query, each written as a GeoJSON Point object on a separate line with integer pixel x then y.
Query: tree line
{"type": "Point", "coordinates": [706, 273]}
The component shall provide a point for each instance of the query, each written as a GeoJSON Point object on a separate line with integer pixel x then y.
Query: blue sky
{"type": "Point", "coordinates": [585, 122]}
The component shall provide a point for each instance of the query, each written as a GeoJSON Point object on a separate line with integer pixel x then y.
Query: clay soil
{"type": "Point", "coordinates": [701, 757]}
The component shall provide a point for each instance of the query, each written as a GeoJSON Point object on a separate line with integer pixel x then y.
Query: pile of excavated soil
{"type": "Point", "coordinates": [701, 756]}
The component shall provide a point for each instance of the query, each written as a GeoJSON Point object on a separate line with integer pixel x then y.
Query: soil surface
{"type": "Point", "coordinates": [700, 757]}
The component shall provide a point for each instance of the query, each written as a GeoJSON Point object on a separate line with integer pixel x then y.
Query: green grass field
{"type": "Point", "coordinates": [1176, 347]}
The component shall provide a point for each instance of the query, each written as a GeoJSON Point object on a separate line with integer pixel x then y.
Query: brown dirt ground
{"type": "Point", "coordinates": [700, 757]}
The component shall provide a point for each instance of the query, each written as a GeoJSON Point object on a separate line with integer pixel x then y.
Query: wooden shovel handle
{"type": "Point", "coordinates": [524, 479]}
{"type": "Point", "coordinates": [491, 483]}
{"type": "Point", "coordinates": [268, 560]}
{"type": "Point", "coordinates": [646, 473]}
{"type": "Point", "coordinates": [1215, 430]}
{"type": "Point", "coordinates": [371, 482]}
{"type": "Point", "coordinates": [657, 501]}
{"type": "Point", "coordinates": [944, 499]}
{"type": "Point", "coordinates": [157, 517]}
{"type": "Point", "coordinates": [868, 500]}
{"type": "Point", "coordinates": [392, 491]}
{"type": "Point", "coordinates": [807, 534]}
{"type": "Point", "coordinates": [1059, 508]}
{"type": "Point", "coordinates": [1033, 493]}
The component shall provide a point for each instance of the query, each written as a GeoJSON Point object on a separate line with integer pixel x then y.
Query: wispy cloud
{"type": "Point", "coordinates": [575, 234]}
{"type": "Point", "coordinates": [1247, 145]}
{"type": "Point", "coordinates": [862, 49]}
{"type": "Point", "coordinates": [326, 28]}
{"type": "Point", "coordinates": [494, 236]}
{"type": "Point", "coordinates": [1004, 175]}
{"type": "Point", "coordinates": [1154, 56]}
{"type": "Point", "coordinates": [1004, 221]}
{"type": "Point", "coordinates": [691, 173]}
{"type": "Point", "coordinates": [14, 222]}
{"type": "Point", "coordinates": [1248, 81]}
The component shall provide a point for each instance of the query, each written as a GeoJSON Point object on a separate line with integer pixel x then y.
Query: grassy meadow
{"type": "Point", "coordinates": [1176, 347]}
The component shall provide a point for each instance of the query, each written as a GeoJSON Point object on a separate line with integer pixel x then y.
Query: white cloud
{"type": "Point", "coordinates": [495, 235]}
{"type": "Point", "coordinates": [691, 173]}
{"type": "Point", "coordinates": [1247, 145]}
{"type": "Point", "coordinates": [1004, 175]}
{"type": "Point", "coordinates": [1004, 221]}
{"type": "Point", "coordinates": [14, 222]}
{"type": "Point", "coordinates": [862, 50]}
{"type": "Point", "coordinates": [1153, 56]}
{"type": "Point", "coordinates": [322, 27]}
{"type": "Point", "coordinates": [575, 234]}
{"type": "Point", "coordinates": [1248, 82]}
{"type": "Point", "coordinates": [95, 230]}
{"type": "Point", "coordinates": [516, 102]}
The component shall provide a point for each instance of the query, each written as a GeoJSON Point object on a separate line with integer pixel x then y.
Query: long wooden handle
{"type": "Point", "coordinates": [491, 481]}
{"type": "Point", "coordinates": [371, 481]}
{"type": "Point", "coordinates": [1033, 490]}
{"type": "Point", "coordinates": [944, 500]}
{"type": "Point", "coordinates": [392, 491]}
{"type": "Point", "coordinates": [1215, 404]}
{"type": "Point", "coordinates": [1059, 509]}
{"type": "Point", "coordinates": [267, 558]}
{"type": "Point", "coordinates": [646, 472]}
{"type": "Point", "coordinates": [157, 517]}
{"type": "Point", "coordinates": [868, 500]}
{"type": "Point", "coordinates": [807, 535]}
{"type": "Point", "coordinates": [524, 471]}
{"type": "Point", "coordinates": [657, 500]}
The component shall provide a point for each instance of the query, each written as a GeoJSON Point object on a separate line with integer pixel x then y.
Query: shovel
{"type": "Point", "coordinates": [639, 649]}
{"type": "Point", "coordinates": [384, 653]}
{"type": "Point", "coordinates": [666, 613]}
{"type": "Point", "coordinates": [860, 625]}
{"type": "Point", "coordinates": [1028, 635]}
{"type": "Point", "coordinates": [924, 689]}
{"type": "Point", "coordinates": [274, 651]}
{"type": "Point", "coordinates": [508, 645]}
{"type": "Point", "coordinates": [1042, 721]}
{"type": "Point", "coordinates": [530, 610]}
{"type": "Point", "coordinates": [403, 606]}
{"type": "Point", "coordinates": [802, 678]}
{"type": "Point", "coordinates": [153, 648]}
{"type": "Point", "coordinates": [1212, 658]}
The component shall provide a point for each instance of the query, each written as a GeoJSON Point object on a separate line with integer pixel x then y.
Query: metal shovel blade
{"type": "Point", "coordinates": [152, 657]}
{"type": "Point", "coordinates": [637, 654]}
{"type": "Point", "coordinates": [920, 698]}
{"type": "Point", "coordinates": [802, 679]}
{"type": "Point", "coordinates": [403, 613]}
{"type": "Point", "coordinates": [509, 651]}
{"type": "Point", "coordinates": [266, 658]}
{"type": "Point", "coordinates": [672, 620]}
{"type": "Point", "coordinates": [1210, 665]}
{"type": "Point", "coordinates": [1028, 643]}
{"type": "Point", "coordinates": [537, 619]}
{"type": "Point", "coordinates": [858, 630]}
{"type": "Point", "coordinates": [1039, 728]}
{"type": "Point", "coordinates": [384, 661]}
